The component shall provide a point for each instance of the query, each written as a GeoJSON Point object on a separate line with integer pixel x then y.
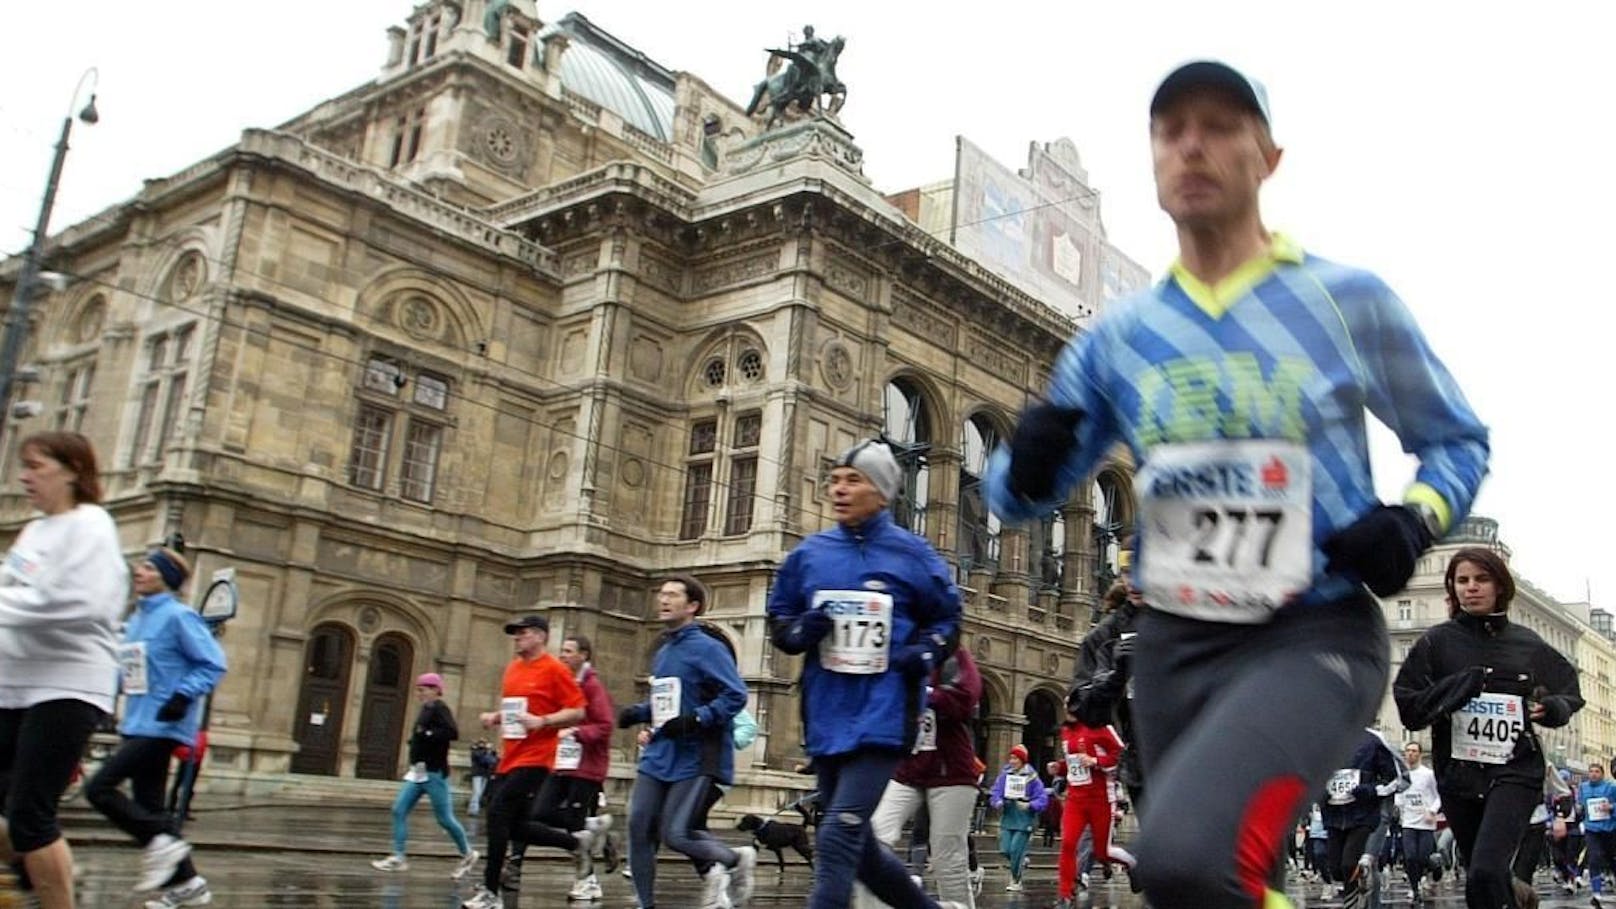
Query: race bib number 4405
{"type": "Point", "coordinates": [860, 637]}
{"type": "Point", "coordinates": [1228, 527]}
{"type": "Point", "coordinates": [1486, 728]}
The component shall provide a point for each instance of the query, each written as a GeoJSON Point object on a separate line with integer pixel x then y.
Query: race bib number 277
{"type": "Point", "coordinates": [1228, 527]}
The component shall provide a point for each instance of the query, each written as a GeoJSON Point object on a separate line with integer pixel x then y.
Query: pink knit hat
{"type": "Point", "coordinates": [430, 678]}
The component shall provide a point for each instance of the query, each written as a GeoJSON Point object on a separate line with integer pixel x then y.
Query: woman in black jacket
{"type": "Point", "coordinates": [1483, 684]}
{"type": "Point", "coordinates": [429, 776]}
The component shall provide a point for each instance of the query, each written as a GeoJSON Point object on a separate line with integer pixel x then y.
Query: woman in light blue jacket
{"type": "Point", "coordinates": [168, 664]}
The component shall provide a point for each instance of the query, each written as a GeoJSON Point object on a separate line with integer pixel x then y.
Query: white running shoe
{"type": "Point", "coordinates": [585, 889]}
{"type": "Point", "coordinates": [976, 879]}
{"type": "Point", "coordinates": [482, 898]}
{"type": "Point", "coordinates": [162, 856]}
{"type": "Point", "coordinates": [391, 863]}
{"type": "Point", "coordinates": [744, 874]}
{"type": "Point", "coordinates": [1013, 887]}
{"type": "Point", "coordinates": [464, 866]}
{"type": "Point", "coordinates": [715, 888]}
{"type": "Point", "coordinates": [193, 892]}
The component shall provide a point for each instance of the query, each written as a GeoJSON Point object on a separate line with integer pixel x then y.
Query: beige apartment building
{"type": "Point", "coordinates": [523, 324]}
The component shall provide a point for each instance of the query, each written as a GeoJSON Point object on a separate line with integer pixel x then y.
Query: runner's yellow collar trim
{"type": "Point", "coordinates": [1215, 300]}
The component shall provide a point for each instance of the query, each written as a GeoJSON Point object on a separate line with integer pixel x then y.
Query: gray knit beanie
{"type": "Point", "coordinates": [874, 459]}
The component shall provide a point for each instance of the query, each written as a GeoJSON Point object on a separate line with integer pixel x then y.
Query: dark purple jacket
{"type": "Point", "coordinates": [595, 732]}
{"type": "Point", "coordinates": [956, 689]}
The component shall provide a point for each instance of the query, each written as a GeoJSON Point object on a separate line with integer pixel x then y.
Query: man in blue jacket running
{"type": "Point", "coordinates": [1596, 795]}
{"type": "Point", "coordinates": [169, 662]}
{"type": "Point", "coordinates": [873, 608]}
{"type": "Point", "coordinates": [696, 691]}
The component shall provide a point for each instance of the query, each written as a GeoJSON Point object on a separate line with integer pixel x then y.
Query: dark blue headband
{"type": "Point", "coordinates": [173, 574]}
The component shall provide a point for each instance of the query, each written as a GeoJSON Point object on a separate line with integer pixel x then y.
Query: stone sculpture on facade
{"type": "Point", "coordinates": [807, 83]}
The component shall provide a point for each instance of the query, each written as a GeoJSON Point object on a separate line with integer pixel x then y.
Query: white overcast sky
{"type": "Point", "coordinates": [1462, 150]}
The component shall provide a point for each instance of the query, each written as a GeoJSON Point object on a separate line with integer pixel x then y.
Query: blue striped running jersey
{"type": "Point", "coordinates": [1290, 346]}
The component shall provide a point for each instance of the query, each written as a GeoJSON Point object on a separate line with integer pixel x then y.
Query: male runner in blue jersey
{"type": "Point", "coordinates": [1241, 384]}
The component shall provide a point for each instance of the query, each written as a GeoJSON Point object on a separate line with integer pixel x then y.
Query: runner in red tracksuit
{"type": "Point", "coordinates": [1090, 756]}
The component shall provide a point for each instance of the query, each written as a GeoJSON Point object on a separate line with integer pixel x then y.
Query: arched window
{"type": "Point", "coordinates": [1047, 551]}
{"type": "Point", "coordinates": [978, 527]}
{"type": "Point", "coordinates": [1108, 531]}
{"type": "Point", "coordinates": [908, 429]}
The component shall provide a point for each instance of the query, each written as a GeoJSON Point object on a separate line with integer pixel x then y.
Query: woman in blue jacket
{"type": "Point", "coordinates": [168, 663]}
{"type": "Point", "coordinates": [873, 608]}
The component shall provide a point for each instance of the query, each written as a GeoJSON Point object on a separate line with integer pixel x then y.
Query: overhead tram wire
{"type": "Point", "coordinates": [676, 468]}
{"type": "Point", "coordinates": [552, 384]}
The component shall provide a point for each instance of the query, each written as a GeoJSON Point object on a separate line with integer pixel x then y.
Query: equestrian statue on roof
{"type": "Point", "coordinates": [806, 82]}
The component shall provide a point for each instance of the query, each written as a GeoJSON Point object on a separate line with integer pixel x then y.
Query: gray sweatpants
{"type": "Point", "coordinates": [1238, 725]}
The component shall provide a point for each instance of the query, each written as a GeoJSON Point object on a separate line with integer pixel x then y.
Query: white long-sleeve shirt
{"type": "Point", "coordinates": [1419, 802]}
{"type": "Point", "coordinates": [62, 587]}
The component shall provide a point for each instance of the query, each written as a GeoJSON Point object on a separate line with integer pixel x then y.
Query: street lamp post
{"type": "Point", "coordinates": [22, 296]}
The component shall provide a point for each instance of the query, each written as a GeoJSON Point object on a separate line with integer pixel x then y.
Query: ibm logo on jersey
{"type": "Point", "coordinates": [853, 607]}
{"type": "Point", "coordinates": [1239, 479]}
{"type": "Point", "coordinates": [1508, 709]}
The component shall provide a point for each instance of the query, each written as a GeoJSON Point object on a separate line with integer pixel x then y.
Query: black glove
{"type": "Point", "coordinates": [174, 708]}
{"type": "Point", "coordinates": [680, 726]}
{"type": "Point", "coordinates": [1379, 549]}
{"type": "Point", "coordinates": [1043, 439]}
{"type": "Point", "coordinates": [626, 718]}
{"type": "Point", "coordinates": [914, 660]}
{"type": "Point", "coordinates": [1363, 791]}
{"type": "Point", "coordinates": [804, 632]}
{"type": "Point", "coordinates": [1122, 649]}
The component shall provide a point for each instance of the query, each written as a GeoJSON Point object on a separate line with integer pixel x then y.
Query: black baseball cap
{"type": "Point", "coordinates": [1214, 73]}
{"type": "Point", "coordinates": [528, 621]}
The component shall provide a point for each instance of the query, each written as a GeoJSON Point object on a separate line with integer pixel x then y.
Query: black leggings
{"type": "Point", "coordinates": [40, 747]}
{"type": "Point", "coordinates": [144, 763]}
{"type": "Point", "coordinates": [1530, 853]}
{"type": "Point", "coordinates": [1488, 831]}
{"type": "Point", "coordinates": [510, 801]}
{"type": "Point", "coordinates": [1238, 726]}
{"type": "Point", "coordinates": [560, 808]}
{"type": "Point", "coordinates": [1346, 847]}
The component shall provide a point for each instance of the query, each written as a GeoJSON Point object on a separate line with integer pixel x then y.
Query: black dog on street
{"type": "Point", "coordinates": [776, 836]}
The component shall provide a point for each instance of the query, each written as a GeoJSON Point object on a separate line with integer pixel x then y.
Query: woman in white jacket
{"type": "Point", "coordinates": [62, 587]}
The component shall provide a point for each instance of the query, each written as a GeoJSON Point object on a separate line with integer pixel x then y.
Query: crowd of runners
{"type": "Point", "coordinates": [1225, 698]}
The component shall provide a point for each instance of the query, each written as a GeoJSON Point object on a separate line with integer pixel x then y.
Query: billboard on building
{"type": "Point", "coordinates": [1039, 229]}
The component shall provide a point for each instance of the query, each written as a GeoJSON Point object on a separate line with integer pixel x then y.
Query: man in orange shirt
{"type": "Point", "coordinates": [538, 697]}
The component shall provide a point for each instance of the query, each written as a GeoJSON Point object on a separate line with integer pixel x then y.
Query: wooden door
{"type": "Point", "coordinates": [387, 705]}
{"type": "Point", "coordinates": [327, 661]}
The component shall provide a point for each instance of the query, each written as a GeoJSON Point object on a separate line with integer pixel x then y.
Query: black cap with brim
{"type": "Point", "coordinates": [528, 621]}
{"type": "Point", "coordinates": [1217, 75]}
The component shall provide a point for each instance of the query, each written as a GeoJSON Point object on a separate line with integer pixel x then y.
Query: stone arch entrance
{"type": "Point", "coordinates": [388, 684]}
{"type": "Point", "coordinates": [1043, 710]}
{"type": "Point", "coordinates": [327, 661]}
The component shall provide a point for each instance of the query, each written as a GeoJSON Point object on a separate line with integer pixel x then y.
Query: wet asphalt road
{"type": "Point", "coordinates": [320, 857]}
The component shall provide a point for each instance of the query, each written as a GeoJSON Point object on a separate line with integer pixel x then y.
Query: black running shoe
{"type": "Point", "coordinates": [609, 853]}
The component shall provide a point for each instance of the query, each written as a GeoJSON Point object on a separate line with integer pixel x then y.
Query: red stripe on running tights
{"type": "Point", "coordinates": [1268, 818]}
